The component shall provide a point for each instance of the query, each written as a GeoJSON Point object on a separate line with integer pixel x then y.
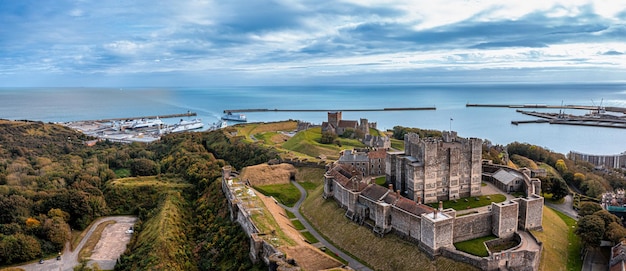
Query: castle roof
{"type": "Point", "coordinates": [343, 175]}
{"type": "Point", "coordinates": [353, 156]}
{"type": "Point", "coordinates": [374, 192]}
{"type": "Point", "coordinates": [413, 207]}
{"type": "Point", "coordinates": [377, 154]}
{"type": "Point", "coordinates": [506, 176]}
{"type": "Point", "coordinates": [348, 124]}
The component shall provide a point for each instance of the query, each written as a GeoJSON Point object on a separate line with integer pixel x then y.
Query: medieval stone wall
{"type": "Point", "coordinates": [405, 223]}
{"type": "Point", "coordinates": [472, 226]}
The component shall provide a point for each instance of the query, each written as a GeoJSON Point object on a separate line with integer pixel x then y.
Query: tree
{"type": "Point", "coordinates": [592, 188]}
{"type": "Point", "coordinates": [588, 208]}
{"type": "Point", "coordinates": [143, 167]}
{"type": "Point", "coordinates": [559, 189]}
{"type": "Point", "coordinates": [590, 230]}
{"type": "Point", "coordinates": [579, 178]}
{"type": "Point", "coordinates": [328, 137]}
{"type": "Point", "coordinates": [560, 166]}
{"type": "Point", "coordinates": [615, 232]}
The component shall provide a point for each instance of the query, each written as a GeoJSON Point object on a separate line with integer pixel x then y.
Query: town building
{"type": "Point", "coordinates": [603, 161]}
{"type": "Point", "coordinates": [618, 257]}
{"type": "Point", "coordinates": [435, 169]}
{"type": "Point", "coordinates": [368, 161]}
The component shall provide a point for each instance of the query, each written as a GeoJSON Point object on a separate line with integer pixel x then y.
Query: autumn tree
{"type": "Point", "coordinates": [561, 166]}
{"type": "Point", "coordinates": [588, 208]}
{"type": "Point", "coordinates": [590, 230]}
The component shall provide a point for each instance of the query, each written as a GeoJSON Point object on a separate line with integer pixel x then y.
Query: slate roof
{"type": "Point", "coordinates": [343, 175]}
{"type": "Point", "coordinates": [413, 207]}
{"type": "Point", "coordinates": [506, 176]}
{"type": "Point", "coordinates": [374, 192]}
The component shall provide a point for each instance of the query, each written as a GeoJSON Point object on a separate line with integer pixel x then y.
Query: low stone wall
{"type": "Point", "coordinates": [480, 262]}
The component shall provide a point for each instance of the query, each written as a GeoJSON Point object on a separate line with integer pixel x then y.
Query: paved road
{"type": "Point", "coordinates": [353, 263]}
{"type": "Point", "coordinates": [565, 207]}
{"type": "Point", "coordinates": [69, 258]}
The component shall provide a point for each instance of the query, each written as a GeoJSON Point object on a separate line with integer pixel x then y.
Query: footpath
{"type": "Point", "coordinates": [353, 263]}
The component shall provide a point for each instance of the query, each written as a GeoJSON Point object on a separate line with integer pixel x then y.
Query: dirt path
{"type": "Point", "coordinates": [353, 263]}
{"type": "Point", "coordinates": [69, 258]}
{"type": "Point", "coordinates": [307, 256]}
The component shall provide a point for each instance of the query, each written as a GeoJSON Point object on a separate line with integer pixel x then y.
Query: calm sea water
{"type": "Point", "coordinates": [494, 124]}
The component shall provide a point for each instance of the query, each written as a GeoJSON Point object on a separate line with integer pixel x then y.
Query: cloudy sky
{"type": "Point", "coordinates": [259, 42]}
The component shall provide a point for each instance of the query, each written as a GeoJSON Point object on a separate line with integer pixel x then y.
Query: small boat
{"type": "Point", "coordinates": [234, 117]}
{"type": "Point", "coordinates": [186, 125]}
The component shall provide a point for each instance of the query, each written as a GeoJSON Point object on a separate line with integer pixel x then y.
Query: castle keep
{"type": "Point", "coordinates": [435, 169]}
{"type": "Point", "coordinates": [442, 169]}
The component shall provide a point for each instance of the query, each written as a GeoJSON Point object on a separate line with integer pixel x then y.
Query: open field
{"type": "Point", "coordinates": [388, 253]}
{"type": "Point", "coordinates": [273, 128]}
{"type": "Point", "coordinates": [286, 194]}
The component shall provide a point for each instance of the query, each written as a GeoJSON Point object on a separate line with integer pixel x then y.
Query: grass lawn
{"type": "Point", "coordinates": [287, 194]}
{"type": "Point", "coordinates": [122, 172]}
{"type": "Point", "coordinates": [561, 246]}
{"type": "Point", "coordinates": [298, 225]}
{"type": "Point", "coordinates": [475, 246]}
{"type": "Point", "coordinates": [380, 180]}
{"type": "Point", "coordinates": [397, 144]}
{"type": "Point", "coordinates": [309, 237]}
{"type": "Point", "coordinates": [290, 214]}
{"type": "Point", "coordinates": [388, 253]}
{"type": "Point", "coordinates": [462, 204]}
{"type": "Point", "coordinates": [332, 254]}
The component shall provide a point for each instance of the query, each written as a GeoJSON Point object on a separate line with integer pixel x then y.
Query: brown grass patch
{"type": "Point", "coordinates": [555, 243]}
{"type": "Point", "coordinates": [93, 240]}
{"type": "Point", "coordinates": [388, 253]}
{"type": "Point", "coordinates": [265, 174]}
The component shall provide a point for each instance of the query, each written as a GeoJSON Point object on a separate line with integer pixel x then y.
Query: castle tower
{"type": "Point", "coordinates": [437, 231]}
{"type": "Point", "coordinates": [364, 126]}
{"type": "Point", "coordinates": [334, 118]}
{"type": "Point", "coordinates": [505, 218]}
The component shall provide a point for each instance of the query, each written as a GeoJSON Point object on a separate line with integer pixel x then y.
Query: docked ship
{"type": "Point", "coordinates": [234, 117]}
{"type": "Point", "coordinates": [187, 125]}
{"type": "Point", "coordinates": [146, 123]}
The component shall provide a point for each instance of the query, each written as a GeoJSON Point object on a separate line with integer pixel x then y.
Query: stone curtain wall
{"type": "Point", "coordinates": [472, 226]}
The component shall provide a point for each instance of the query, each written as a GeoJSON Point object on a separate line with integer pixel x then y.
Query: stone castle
{"type": "Point", "coordinates": [434, 170]}
{"type": "Point", "coordinates": [337, 125]}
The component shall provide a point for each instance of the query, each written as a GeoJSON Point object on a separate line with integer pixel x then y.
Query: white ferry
{"type": "Point", "coordinates": [234, 117]}
{"type": "Point", "coordinates": [186, 125]}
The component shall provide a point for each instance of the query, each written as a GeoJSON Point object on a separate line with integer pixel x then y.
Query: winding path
{"type": "Point", "coordinates": [353, 263]}
{"type": "Point", "coordinates": [69, 258]}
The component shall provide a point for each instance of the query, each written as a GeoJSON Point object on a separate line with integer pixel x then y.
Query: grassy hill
{"type": "Point", "coordinates": [561, 247]}
{"type": "Point", "coordinates": [308, 143]}
{"type": "Point", "coordinates": [162, 241]}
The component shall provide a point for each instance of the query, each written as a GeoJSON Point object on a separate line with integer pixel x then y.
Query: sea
{"type": "Point", "coordinates": [493, 124]}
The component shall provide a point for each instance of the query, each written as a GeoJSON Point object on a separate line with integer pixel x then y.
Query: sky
{"type": "Point", "coordinates": [290, 42]}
